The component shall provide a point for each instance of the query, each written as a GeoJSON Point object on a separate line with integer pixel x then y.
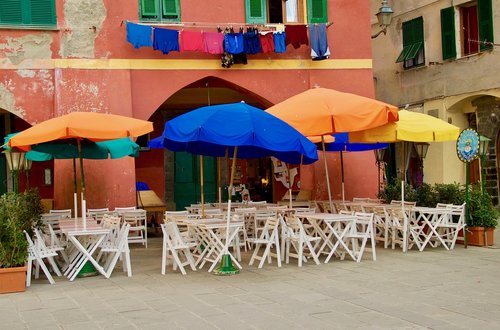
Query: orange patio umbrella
{"type": "Point", "coordinates": [78, 126]}
{"type": "Point", "coordinates": [322, 111]}
{"type": "Point", "coordinates": [81, 125]}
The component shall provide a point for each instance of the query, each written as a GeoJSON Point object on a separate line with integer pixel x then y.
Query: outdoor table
{"type": "Point", "coordinates": [211, 233]}
{"type": "Point", "coordinates": [430, 218]}
{"type": "Point", "coordinates": [86, 241]}
{"type": "Point", "coordinates": [332, 234]}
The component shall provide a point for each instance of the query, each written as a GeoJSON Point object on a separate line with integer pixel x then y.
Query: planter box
{"type": "Point", "coordinates": [476, 236]}
{"type": "Point", "coordinates": [13, 279]}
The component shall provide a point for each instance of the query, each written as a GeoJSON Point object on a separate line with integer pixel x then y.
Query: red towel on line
{"type": "Point", "coordinates": [192, 40]}
{"type": "Point", "coordinates": [296, 35]}
{"type": "Point", "coordinates": [267, 42]}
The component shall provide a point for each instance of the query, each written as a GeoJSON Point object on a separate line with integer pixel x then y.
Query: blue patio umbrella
{"type": "Point", "coordinates": [243, 130]}
{"type": "Point", "coordinates": [342, 144]}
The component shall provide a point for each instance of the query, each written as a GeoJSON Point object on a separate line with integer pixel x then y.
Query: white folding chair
{"type": "Point", "coordinates": [137, 220]}
{"type": "Point", "coordinates": [297, 238]}
{"type": "Point", "coordinates": [121, 210]}
{"type": "Point", "coordinates": [451, 227]}
{"type": "Point", "coordinates": [98, 214]}
{"type": "Point", "coordinates": [268, 238]}
{"type": "Point", "coordinates": [380, 223]}
{"type": "Point", "coordinates": [66, 213]}
{"type": "Point", "coordinates": [115, 249]}
{"type": "Point", "coordinates": [402, 228]}
{"type": "Point", "coordinates": [360, 199]}
{"type": "Point", "coordinates": [174, 243]}
{"type": "Point", "coordinates": [358, 235]}
{"type": "Point", "coordinates": [37, 252]}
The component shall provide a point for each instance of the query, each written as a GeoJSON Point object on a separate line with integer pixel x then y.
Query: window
{"type": "Point", "coordinates": [289, 11]}
{"type": "Point", "coordinates": [28, 13]}
{"type": "Point", "coordinates": [160, 10]}
{"type": "Point", "coordinates": [412, 54]}
{"type": "Point", "coordinates": [475, 25]}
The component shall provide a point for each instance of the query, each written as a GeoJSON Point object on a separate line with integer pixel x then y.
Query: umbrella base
{"type": "Point", "coordinates": [88, 270]}
{"type": "Point", "coordinates": [226, 267]}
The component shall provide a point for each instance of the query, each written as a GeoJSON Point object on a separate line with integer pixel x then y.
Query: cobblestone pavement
{"type": "Point", "coordinates": [434, 289]}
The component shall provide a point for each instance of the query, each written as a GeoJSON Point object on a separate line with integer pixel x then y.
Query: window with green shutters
{"type": "Point", "coordinates": [485, 19]}
{"type": "Point", "coordinates": [275, 11]}
{"type": "Point", "coordinates": [160, 10]}
{"type": "Point", "coordinates": [317, 11]}
{"type": "Point", "coordinates": [448, 33]}
{"type": "Point", "coordinates": [28, 13]}
{"type": "Point", "coordinates": [412, 54]}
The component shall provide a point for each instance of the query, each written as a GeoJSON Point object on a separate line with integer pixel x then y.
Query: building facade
{"type": "Point", "coordinates": [59, 56]}
{"type": "Point", "coordinates": [440, 58]}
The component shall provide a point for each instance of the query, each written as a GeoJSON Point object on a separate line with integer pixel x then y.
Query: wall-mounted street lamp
{"type": "Point", "coordinates": [27, 169]}
{"type": "Point", "coordinates": [483, 151]}
{"type": "Point", "coordinates": [421, 148]}
{"type": "Point", "coordinates": [384, 17]}
{"type": "Point", "coordinates": [15, 163]}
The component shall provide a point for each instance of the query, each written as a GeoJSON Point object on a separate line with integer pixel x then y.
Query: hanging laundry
{"type": "Point", "coordinates": [296, 35]}
{"type": "Point", "coordinates": [279, 42]}
{"type": "Point", "coordinates": [165, 40]}
{"type": "Point", "coordinates": [233, 43]}
{"type": "Point", "coordinates": [319, 42]}
{"type": "Point", "coordinates": [139, 35]}
{"type": "Point", "coordinates": [267, 42]}
{"type": "Point", "coordinates": [192, 40]}
{"type": "Point", "coordinates": [226, 60]}
{"type": "Point", "coordinates": [252, 42]}
{"type": "Point", "coordinates": [213, 42]}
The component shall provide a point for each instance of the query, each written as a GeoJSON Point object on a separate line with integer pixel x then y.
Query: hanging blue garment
{"type": "Point", "coordinates": [139, 35]}
{"type": "Point", "coordinates": [279, 42]}
{"type": "Point", "coordinates": [252, 43]}
{"type": "Point", "coordinates": [166, 40]}
{"type": "Point", "coordinates": [319, 42]}
{"type": "Point", "coordinates": [233, 43]}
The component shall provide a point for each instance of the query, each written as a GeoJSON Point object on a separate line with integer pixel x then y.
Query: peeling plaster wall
{"type": "Point", "coordinates": [26, 48]}
{"type": "Point", "coordinates": [84, 19]}
{"type": "Point", "coordinates": [8, 100]}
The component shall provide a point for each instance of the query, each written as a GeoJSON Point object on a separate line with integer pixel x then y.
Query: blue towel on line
{"type": "Point", "coordinates": [166, 40]}
{"type": "Point", "coordinates": [319, 42]}
{"type": "Point", "coordinates": [139, 35]}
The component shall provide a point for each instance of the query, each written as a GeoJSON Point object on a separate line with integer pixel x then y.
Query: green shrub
{"type": "Point", "coordinates": [449, 193]}
{"type": "Point", "coordinates": [482, 213]}
{"type": "Point", "coordinates": [393, 192]}
{"type": "Point", "coordinates": [18, 212]}
{"type": "Point", "coordinates": [426, 196]}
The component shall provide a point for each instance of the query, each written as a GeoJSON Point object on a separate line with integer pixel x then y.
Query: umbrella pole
{"type": "Point", "coordinates": [219, 181]}
{"type": "Point", "coordinates": [326, 173]}
{"type": "Point", "coordinates": [405, 219]}
{"type": "Point", "coordinates": [342, 173]}
{"type": "Point", "coordinates": [75, 194]}
{"type": "Point", "coordinates": [289, 185]}
{"type": "Point", "coordinates": [202, 188]}
{"type": "Point", "coordinates": [82, 175]}
{"type": "Point", "coordinates": [226, 267]}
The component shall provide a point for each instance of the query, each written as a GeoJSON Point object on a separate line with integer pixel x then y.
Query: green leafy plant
{"type": "Point", "coordinates": [393, 192]}
{"type": "Point", "coordinates": [482, 213]}
{"type": "Point", "coordinates": [426, 195]}
{"type": "Point", "coordinates": [449, 193]}
{"type": "Point", "coordinates": [18, 212]}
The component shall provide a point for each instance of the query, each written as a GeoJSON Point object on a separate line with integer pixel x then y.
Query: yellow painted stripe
{"type": "Point", "coordinates": [180, 64]}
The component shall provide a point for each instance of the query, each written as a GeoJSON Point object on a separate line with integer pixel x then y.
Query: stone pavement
{"type": "Point", "coordinates": [434, 289]}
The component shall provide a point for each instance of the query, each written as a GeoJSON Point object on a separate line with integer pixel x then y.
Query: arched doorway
{"type": "Point", "coordinates": [175, 177]}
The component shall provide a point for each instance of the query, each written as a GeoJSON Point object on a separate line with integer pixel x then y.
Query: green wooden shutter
{"type": "Point", "coordinates": [317, 11]}
{"type": "Point", "coordinates": [485, 19]}
{"type": "Point", "coordinates": [413, 39]}
{"type": "Point", "coordinates": [171, 9]}
{"type": "Point", "coordinates": [255, 11]}
{"type": "Point", "coordinates": [449, 48]}
{"type": "Point", "coordinates": [418, 30]}
{"type": "Point", "coordinates": [149, 8]}
{"type": "Point", "coordinates": [43, 12]}
{"type": "Point", "coordinates": [10, 12]}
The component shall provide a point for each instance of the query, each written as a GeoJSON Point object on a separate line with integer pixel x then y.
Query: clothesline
{"type": "Point", "coordinates": [216, 25]}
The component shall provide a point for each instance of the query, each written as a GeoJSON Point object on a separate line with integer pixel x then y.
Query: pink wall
{"type": "Point", "coordinates": [42, 94]}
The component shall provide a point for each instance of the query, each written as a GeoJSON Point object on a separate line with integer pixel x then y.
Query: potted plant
{"type": "Point", "coordinates": [483, 217]}
{"type": "Point", "coordinates": [18, 212]}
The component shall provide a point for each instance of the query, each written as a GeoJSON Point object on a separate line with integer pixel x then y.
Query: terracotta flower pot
{"type": "Point", "coordinates": [476, 236]}
{"type": "Point", "coordinates": [13, 279]}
